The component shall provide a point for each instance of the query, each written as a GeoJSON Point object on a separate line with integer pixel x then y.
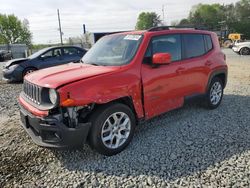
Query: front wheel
{"type": "Point", "coordinates": [112, 128]}
{"type": "Point", "coordinates": [214, 94]}
{"type": "Point", "coordinates": [28, 71]}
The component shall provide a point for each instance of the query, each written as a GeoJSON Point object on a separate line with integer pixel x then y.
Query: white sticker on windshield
{"type": "Point", "coordinates": [132, 37]}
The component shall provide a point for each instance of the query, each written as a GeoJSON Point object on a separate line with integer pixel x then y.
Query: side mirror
{"type": "Point", "coordinates": [42, 57]}
{"type": "Point", "coordinates": [161, 58]}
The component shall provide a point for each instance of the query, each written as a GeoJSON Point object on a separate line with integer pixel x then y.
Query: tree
{"type": "Point", "coordinates": [12, 30]}
{"type": "Point", "coordinates": [242, 21]}
{"type": "Point", "coordinates": [147, 20]}
{"type": "Point", "coordinates": [184, 21]}
{"type": "Point", "coordinates": [230, 17]}
{"type": "Point", "coordinates": [83, 40]}
{"type": "Point", "coordinates": [206, 15]}
{"type": "Point", "coordinates": [242, 8]}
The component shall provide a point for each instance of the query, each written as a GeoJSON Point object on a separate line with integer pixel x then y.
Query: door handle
{"type": "Point", "coordinates": [208, 63]}
{"type": "Point", "coordinates": [180, 70]}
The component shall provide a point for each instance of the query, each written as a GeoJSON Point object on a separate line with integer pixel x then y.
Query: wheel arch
{"type": "Point", "coordinates": [29, 67]}
{"type": "Point", "coordinates": [222, 74]}
{"type": "Point", "coordinates": [123, 100]}
{"type": "Point", "coordinates": [244, 47]}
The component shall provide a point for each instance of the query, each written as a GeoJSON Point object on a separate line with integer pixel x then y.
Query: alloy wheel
{"type": "Point", "coordinates": [116, 130]}
{"type": "Point", "coordinates": [216, 93]}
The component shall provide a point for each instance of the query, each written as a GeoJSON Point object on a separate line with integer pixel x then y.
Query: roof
{"type": "Point", "coordinates": [167, 29]}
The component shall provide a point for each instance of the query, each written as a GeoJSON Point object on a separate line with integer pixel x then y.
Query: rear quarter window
{"type": "Point", "coordinates": [208, 43]}
{"type": "Point", "coordinates": [193, 45]}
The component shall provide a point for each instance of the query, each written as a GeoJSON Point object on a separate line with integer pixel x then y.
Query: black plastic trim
{"type": "Point", "coordinates": [216, 73]}
{"type": "Point", "coordinates": [43, 130]}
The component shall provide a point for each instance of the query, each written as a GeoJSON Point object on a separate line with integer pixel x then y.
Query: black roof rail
{"type": "Point", "coordinates": [161, 28]}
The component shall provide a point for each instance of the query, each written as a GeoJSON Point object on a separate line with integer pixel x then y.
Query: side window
{"type": "Point", "coordinates": [193, 45]}
{"type": "Point", "coordinates": [208, 41]}
{"type": "Point", "coordinates": [165, 44]}
{"type": "Point", "coordinates": [71, 51]}
{"type": "Point", "coordinates": [47, 54]}
{"type": "Point", "coordinates": [57, 52]}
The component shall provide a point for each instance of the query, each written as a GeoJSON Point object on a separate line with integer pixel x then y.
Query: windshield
{"type": "Point", "coordinates": [113, 50]}
{"type": "Point", "coordinates": [36, 54]}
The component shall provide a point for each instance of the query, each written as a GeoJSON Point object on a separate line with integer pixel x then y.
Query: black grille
{"type": "Point", "coordinates": [32, 92]}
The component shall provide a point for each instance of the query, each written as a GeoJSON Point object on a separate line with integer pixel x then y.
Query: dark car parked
{"type": "Point", "coordinates": [16, 69]}
{"type": "Point", "coordinates": [5, 55]}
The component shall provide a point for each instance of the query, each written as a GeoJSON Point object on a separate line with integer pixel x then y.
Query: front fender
{"type": "Point", "coordinates": [103, 89]}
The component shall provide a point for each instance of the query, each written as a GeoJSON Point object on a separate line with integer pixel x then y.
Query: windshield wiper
{"type": "Point", "coordinates": [95, 64]}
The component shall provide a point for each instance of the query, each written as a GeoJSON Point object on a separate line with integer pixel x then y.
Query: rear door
{"type": "Point", "coordinates": [162, 85]}
{"type": "Point", "coordinates": [72, 54]}
{"type": "Point", "coordinates": [196, 62]}
{"type": "Point", "coordinates": [51, 58]}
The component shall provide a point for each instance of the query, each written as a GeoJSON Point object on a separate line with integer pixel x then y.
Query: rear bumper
{"type": "Point", "coordinates": [51, 132]}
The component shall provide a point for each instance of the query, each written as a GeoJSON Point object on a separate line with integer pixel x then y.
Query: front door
{"type": "Point", "coordinates": [163, 84]}
{"type": "Point", "coordinates": [51, 58]}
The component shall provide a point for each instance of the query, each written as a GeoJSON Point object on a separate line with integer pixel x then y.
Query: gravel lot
{"type": "Point", "coordinates": [191, 147]}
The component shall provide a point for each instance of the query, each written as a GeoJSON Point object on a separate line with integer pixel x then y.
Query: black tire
{"type": "Point", "coordinates": [227, 43]}
{"type": "Point", "coordinates": [245, 51]}
{"type": "Point", "coordinates": [209, 103]}
{"type": "Point", "coordinates": [99, 117]}
{"type": "Point", "coordinates": [28, 70]}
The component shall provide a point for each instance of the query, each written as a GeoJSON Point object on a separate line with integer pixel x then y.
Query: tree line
{"type": "Point", "coordinates": [13, 30]}
{"type": "Point", "coordinates": [232, 17]}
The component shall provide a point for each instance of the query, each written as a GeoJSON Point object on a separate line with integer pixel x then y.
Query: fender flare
{"type": "Point", "coordinates": [214, 74]}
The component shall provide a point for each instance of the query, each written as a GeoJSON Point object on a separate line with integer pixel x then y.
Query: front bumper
{"type": "Point", "coordinates": [236, 49]}
{"type": "Point", "coordinates": [50, 132]}
{"type": "Point", "coordinates": [13, 74]}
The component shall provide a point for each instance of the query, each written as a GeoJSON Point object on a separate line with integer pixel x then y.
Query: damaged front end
{"type": "Point", "coordinates": [63, 127]}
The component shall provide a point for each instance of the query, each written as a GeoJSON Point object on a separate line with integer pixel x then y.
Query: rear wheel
{"type": "Point", "coordinates": [112, 128]}
{"type": "Point", "coordinates": [245, 51]}
{"type": "Point", "coordinates": [214, 94]}
{"type": "Point", "coordinates": [227, 43]}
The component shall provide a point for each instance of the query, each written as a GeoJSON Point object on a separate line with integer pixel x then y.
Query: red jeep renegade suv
{"type": "Point", "coordinates": [123, 78]}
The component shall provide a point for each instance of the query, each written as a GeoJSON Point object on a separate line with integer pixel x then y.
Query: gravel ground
{"type": "Point", "coordinates": [189, 147]}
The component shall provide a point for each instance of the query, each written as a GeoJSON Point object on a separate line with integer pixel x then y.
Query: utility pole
{"type": "Point", "coordinates": [60, 28]}
{"type": "Point", "coordinates": [84, 29]}
{"type": "Point", "coordinates": [163, 15]}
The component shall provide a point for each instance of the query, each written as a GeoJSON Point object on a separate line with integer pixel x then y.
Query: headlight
{"type": "Point", "coordinates": [12, 66]}
{"type": "Point", "coordinates": [53, 97]}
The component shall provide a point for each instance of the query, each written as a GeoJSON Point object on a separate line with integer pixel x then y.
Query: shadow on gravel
{"type": "Point", "coordinates": [180, 143]}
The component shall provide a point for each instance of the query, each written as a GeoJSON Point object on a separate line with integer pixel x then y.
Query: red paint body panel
{"type": "Point", "coordinates": [162, 88]}
{"type": "Point", "coordinates": [32, 109]}
{"type": "Point", "coordinates": [64, 74]}
{"type": "Point", "coordinates": [105, 88]}
{"type": "Point", "coordinates": [153, 90]}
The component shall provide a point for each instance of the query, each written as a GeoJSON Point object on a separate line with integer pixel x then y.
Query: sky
{"type": "Point", "coordinates": [97, 15]}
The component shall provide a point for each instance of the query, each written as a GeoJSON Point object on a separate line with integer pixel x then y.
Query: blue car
{"type": "Point", "coordinates": [16, 69]}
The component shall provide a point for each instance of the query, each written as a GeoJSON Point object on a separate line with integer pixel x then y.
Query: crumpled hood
{"type": "Point", "coordinates": [60, 75]}
{"type": "Point", "coordinates": [15, 61]}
